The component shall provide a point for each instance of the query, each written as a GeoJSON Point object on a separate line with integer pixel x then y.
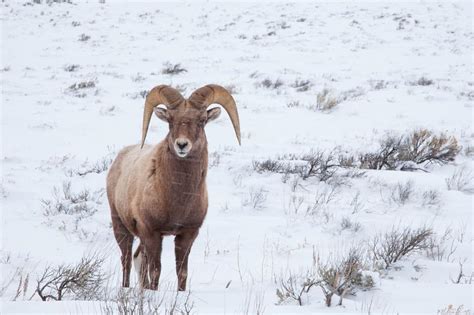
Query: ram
{"type": "Point", "coordinates": [160, 190]}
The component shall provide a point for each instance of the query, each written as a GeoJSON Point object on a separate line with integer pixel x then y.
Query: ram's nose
{"type": "Point", "coordinates": [182, 143]}
{"type": "Point", "coordinates": [182, 147]}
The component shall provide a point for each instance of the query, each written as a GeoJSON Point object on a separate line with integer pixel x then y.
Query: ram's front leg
{"type": "Point", "coordinates": [183, 243]}
{"type": "Point", "coordinates": [141, 266]}
{"type": "Point", "coordinates": [153, 258]}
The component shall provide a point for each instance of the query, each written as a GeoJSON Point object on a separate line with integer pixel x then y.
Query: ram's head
{"type": "Point", "coordinates": [188, 117]}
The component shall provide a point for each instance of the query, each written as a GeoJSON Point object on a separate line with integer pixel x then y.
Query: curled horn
{"type": "Point", "coordinates": [161, 94]}
{"type": "Point", "coordinates": [216, 94]}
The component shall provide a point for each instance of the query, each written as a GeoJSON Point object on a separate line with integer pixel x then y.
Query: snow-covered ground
{"type": "Point", "coordinates": [396, 67]}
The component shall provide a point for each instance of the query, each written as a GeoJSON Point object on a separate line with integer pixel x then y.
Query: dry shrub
{"type": "Point", "coordinates": [86, 167]}
{"type": "Point", "coordinates": [71, 68]}
{"type": "Point", "coordinates": [318, 164]}
{"type": "Point", "coordinates": [356, 203]}
{"type": "Point", "coordinates": [340, 277]}
{"type": "Point", "coordinates": [461, 277]}
{"type": "Point", "coordinates": [294, 286]}
{"type": "Point", "coordinates": [295, 203]}
{"type": "Point", "coordinates": [172, 69]}
{"type": "Point", "coordinates": [22, 287]}
{"type": "Point", "coordinates": [214, 159]}
{"type": "Point", "coordinates": [391, 246]}
{"type": "Point", "coordinates": [82, 89]}
{"type": "Point", "coordinates": [269, 84]}
{"type": "Point", "coordinates": [423, 146]}
{"type": "Point", "coordinates": [469, 150]}
{"type": "Point", "coordinates": [378, 84]}
{"type": "Point", "coordinates": [136, 301]}
{"type": "Point", "coordinates": [322, 197]}
{"type": "Point", "coordinates": [18, 278]}
{"type": "Point", "coordinates": [84, 38]}
{"type": "Point", "coordinates": [461, 180]}
{"type": "Point", "coordinates": [82, 85]}
{"type": "Point", "coordinates": [82, 281]}
{"type": "Point", "coordinates": [81, 204]}
{"type": "Point", "coordinates": [302, 85]}
{"type": "Point", "coordinates": [256, 198]}
{"type": "Point", "coordinates": [346, 160]}
{"type": "Point", "coordinates": [441, 247]}
{"type": "Point", "coordinates": [406, 152]}
{"type": "Point", "coordinates": [384, 157]}
{"type": "Point", "coordinates": [254, 302]}
{"type": "Point", "coordinates": [431, 198]}
{"type": "Point", "coordinates": [422, 82]}
{"type": "Point", "coordinates": [453, 310]}
{"type": "Point", "coordinates": [273, 166]}
{"type": "Point", "coordinates": [348, 224]}
{"type": "Point", "coordinates": [293, 104]}
{"type": "Point", "coordinates": [313, 164]}
{"type": "Point", "coordinates": [401, 193]}
{"type": "Point", "coordinates": [343, 276]}
{"type": "Point", "coordinates": [325, 101]}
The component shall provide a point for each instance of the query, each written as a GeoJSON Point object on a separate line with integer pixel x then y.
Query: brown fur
{"type": "Point", "coordinates": [153, 193]}
{"type": "Point", "coordinates": [158, 191]}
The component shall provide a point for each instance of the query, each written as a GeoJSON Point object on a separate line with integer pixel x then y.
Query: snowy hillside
{"type": "Point", "coordinates": [356, 152]}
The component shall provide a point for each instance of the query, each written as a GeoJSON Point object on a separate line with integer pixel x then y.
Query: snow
{"type": "Point", "coordinates": [371, 52]}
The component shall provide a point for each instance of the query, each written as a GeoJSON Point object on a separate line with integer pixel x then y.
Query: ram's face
{"type": "Point", "coordinates": [186, 128]}
{"type": "Point", "coordinates": [187, 117]}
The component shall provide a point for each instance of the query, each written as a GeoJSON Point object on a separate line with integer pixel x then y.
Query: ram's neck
{"type": "Point", "coordinates": [180, 177]}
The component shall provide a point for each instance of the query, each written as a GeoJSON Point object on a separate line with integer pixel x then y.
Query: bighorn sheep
{"type": "Point", "coordinates": [160, 190]}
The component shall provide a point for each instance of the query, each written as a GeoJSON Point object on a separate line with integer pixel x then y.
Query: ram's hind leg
{"type": "Point", "coordinates": [125, 242]}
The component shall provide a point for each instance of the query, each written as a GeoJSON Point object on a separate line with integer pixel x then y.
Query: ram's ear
{"type": "Point", "coordinates": [161, 113]}
{"type": "Point", "coordinates": [213, 114]}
